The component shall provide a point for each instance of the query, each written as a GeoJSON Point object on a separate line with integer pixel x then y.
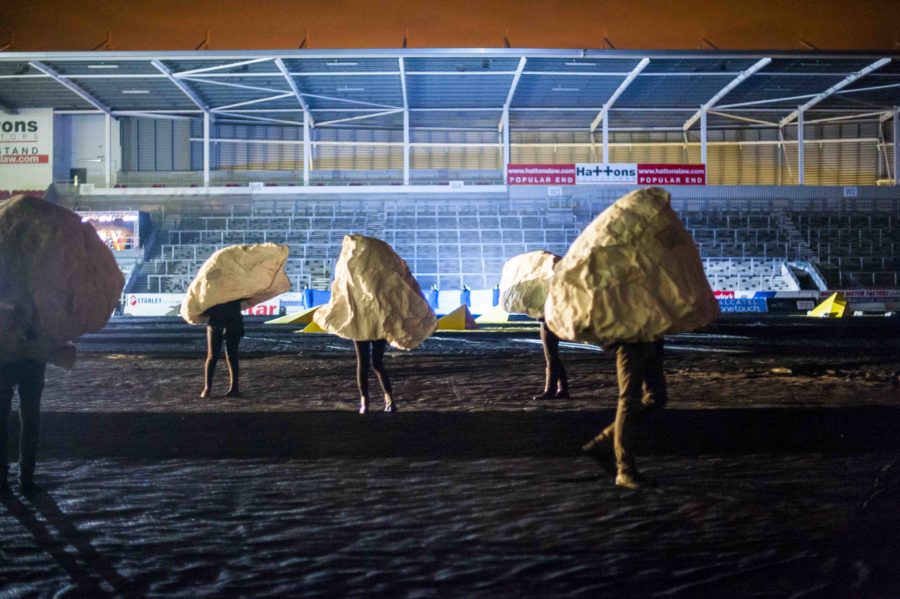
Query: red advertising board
{"type": "Point", "coordinates": [540, 174]}
{"type": "Point", "coordinates": [671, 174]}
{"type": "Point", "coordinates": [25, 159]}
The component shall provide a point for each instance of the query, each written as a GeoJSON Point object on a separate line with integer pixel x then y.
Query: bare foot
{"type": "Point", "coordinates": [363, 405]}
{"type": "Point", "coordinates": [204, 394]}
{"type": "Point", "coordinates": [389, 405]}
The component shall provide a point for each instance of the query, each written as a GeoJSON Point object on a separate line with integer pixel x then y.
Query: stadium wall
{"type": "Point", "coordinates": [851, 153]}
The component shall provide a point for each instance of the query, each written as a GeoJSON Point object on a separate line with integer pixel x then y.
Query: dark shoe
{"type": "Point", "coordinates": [4, 488]}
{"type": "Point", "coordinates": [545, 395]}
{"type": "Point", "coordinates": [562, 393]}
{"type": "Point", "coordinates": [29, 488]}
{"type": "Point", "coordinates": [233, 393]}
{"type": "Point", "coordinates": [601, 453]}
{"type": "Point", "coordinates": [389, 404]}
{"type": "Point", "coordinates": [634, 481]}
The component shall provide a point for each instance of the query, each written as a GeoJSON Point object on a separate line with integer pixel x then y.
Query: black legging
{"type": "Point", "coordinates": [375, 349]}
{"type": "Point", "coordinates": [555, 374]}
{"type": "Point", "coordinates": [214, 337]}
{"type": "Point", "coordinates": [28, 376]}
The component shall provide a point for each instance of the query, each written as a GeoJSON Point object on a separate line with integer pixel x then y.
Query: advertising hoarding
{"type": "Point", "coordinates": [598, 173]}
{"type": "Point", "coordinates": [26, 149]}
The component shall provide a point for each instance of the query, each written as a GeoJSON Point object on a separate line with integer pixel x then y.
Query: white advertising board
{"type": "Point", "coordinates": [168, 304]}
{"type": "Point", "coordinates": [153, 304]}
{"type": "Point", "coordinates": [26, 149]}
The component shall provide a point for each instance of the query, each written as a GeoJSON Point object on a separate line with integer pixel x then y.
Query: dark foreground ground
{"type": "Point", "coordinates": [777, 461]}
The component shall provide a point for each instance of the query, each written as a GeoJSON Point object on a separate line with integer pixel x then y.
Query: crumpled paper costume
{"type": "Point", "coordinates": [58, 281]}
{"type": "Point", "coordinates": [250, 273]}
{"type": "Point", "coordinates": [634, 274]}
{"type": "Point", "coordinates": [525, 281]}
{"type": "Point", "coordinates": [374, 296]}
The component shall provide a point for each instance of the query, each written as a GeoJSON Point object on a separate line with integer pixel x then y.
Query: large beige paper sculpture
{"type": "Point", "coordinates": [250, 273]}
{"type": "Point", "coordinates": [525, 281]}
{"type": "Point", "coordinates": [58, 280]}
{"type": "Point", "coordinates": [374, 296]}
{"type": "Point", "coordinates": [634, 274]}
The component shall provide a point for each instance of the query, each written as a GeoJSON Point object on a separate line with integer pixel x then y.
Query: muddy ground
{"type": "Point", "coordinates": [777, 468]}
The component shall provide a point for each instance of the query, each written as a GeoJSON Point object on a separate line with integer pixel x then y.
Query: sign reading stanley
{"type": "Point", "coordinates": [26, 141]}
{"type": "Point", "coordinates": [606, 174]}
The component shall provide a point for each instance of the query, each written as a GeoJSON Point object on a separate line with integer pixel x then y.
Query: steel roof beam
{"type": "Point", "coordinates": [220, 67]}
{"type": "Point", "coordinates": [235, 85]}
{"type": "Point", "coordinates": [362, 116]}
{"type": "Point", "coordinates": [241, 116]}
{"type": "Point", "coordinates": [512, 90]}
{"type": "Point", "coordinates": [834, 88]}
{"type": "Point", "coordinates": [846, 117]}
{"type": "Point", "coordinates": [406, 144]}
{"type": "Point", "coordinates": [180, 85]}
{"type": "Point", "coordinates": [619, 91]}
{"type": "Point", "coordinates": [349, 101]}
{"type": "Point", "coordinates": [739, 118]}
{"type": "Point", "coordinates": [84, 95]}
{"type": "Point", "coordinates": [403, 74]}
{"type": "Point", "coordinates": [294, 89]}
{"type": "Point", "coordinates": [249, 102]}
{"type": "Point", "coordinates": [722, 92]}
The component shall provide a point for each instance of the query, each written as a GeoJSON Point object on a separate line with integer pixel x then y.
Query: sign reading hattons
{"type": "Point", "coordinates": [591, 173]}
{"type": "Point", "coordinates": [594, 173]}
{"type": "Point", "coordinates": [26, 149]}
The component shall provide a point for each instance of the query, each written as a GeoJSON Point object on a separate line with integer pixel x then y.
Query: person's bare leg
{"type": "Point", "coordinates": [363, 353]}
{"type": "Point", "coordinates": [550, 376]}
{"type": "Point", "coordinates": [213, 349]}
{"type": "Point", "coordinates": [378, 348]}
{"type": "Point", "coordinates": [562, 377]}
{"type": "Point", "coordinates": [232, 343]}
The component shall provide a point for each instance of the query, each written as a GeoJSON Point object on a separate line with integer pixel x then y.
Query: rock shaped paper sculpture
{"type": "Point", "coordinates": [250, 273]}
{"type": "Point", "coordinates": [374, 296]}
{"type": "Point", "coordinates": [58, 280]}
{"type": "Point", "coordinates": [525, 281]}
{"type": "Point", "coordinates": [634, 274]}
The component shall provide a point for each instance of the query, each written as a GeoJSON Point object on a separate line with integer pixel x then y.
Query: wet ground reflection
{"type": "Point", "coordinates": [767, 525]}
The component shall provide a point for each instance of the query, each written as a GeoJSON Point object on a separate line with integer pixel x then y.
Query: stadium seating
{"type": "Point", "coordinates": [449, 245]}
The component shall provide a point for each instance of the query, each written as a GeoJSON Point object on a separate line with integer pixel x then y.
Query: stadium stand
{"type": "Point", "coordinates": [449, 245]}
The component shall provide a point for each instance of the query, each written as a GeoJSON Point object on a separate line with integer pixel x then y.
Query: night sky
{"type": "Point", "coordinates": [61, 25]}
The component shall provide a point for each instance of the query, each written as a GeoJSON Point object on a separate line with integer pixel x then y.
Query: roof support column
{"type": "Point", "coordinates": [307, 148]}
{"type": "Point", "coordinates": [505, 125]}
{"type": "Point", "coordinates": [402, 66]}
{"type": "Point", "coordinates": [703, 137]}
{"type": "Point", "coordinates": [896, 144]}
{"type": "Point", "coordinates": [801, 176]}
{"type": "Point", "coordinates": [107, 160]}
{"type": "Point", "coordinates": [406, 147]}
{"type": "Point", "coordinates": [206, 149]}
{"type": "Point", "coordinates": [605, 124]}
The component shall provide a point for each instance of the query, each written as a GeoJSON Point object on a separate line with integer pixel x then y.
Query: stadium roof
{"type": "Point", "coordinates": [543, 90]}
